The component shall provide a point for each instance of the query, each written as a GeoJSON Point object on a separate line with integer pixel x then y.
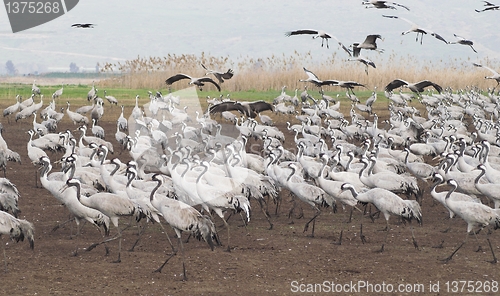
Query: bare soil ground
{"type": "Point", "coordinates": [261, 261]}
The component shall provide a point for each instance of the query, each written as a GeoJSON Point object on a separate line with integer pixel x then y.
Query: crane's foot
{"type": "Point", "coordinates": [479, 249]}
{"type": "Point", "coordinates": [440, 246]}
{"type": "Point", "coordinates": [339, 242]}
{"type": "Point", "coordinates": [446, 230]}
{"type": "Point", "coordinates": [415, 244]}
{"type": "Point", "coordinates": [381, 249]}
{"type": "Point", "coordinates": [447, 259]}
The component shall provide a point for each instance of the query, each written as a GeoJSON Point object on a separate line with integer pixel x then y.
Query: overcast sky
{"type": "Point", "coordinates": [130, 28]}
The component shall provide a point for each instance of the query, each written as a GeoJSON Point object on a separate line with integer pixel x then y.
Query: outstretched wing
{"type": "Point", "coordinates": [228, 75]}
{"type": "Point", "coordinates": [311, 75]}
{"type": "Point", "coordinates": [177, 77]}
{"type": "Point", "coordinates": [260, 106]}
{"type": "Point", "coordinates": [437, 36]}
{"type": "Point", "coordinates": [395, 84]}
{"type": "Point", "coordinates": [425, 83]}
{"type": "Point", "coordinates": [329, 82]}
{"type": "Point", "coordinates": [300, 32]}
{"type": "Point", "coordinates": [342, 45]}
{"type": "Point", "coordinates": [372, 39]}
{"type": "Point", "coordinates": [227, 106]}
{"type": "Point", "coordinates": [401, 18]}
{"type": "Point", "coordinates": [400, 5]}
{"type": "Point", "coordinates": [209, 80]}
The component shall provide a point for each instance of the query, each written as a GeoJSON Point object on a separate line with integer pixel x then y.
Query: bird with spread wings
{"type": "Point", "coordinates": [219, 75]}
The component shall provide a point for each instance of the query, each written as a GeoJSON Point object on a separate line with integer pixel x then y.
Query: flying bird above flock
{"type": "Point", "coordinates": [318, 34]}
{"type": "Point", "coordinates": [249, 109]}
{"type": "Point", "coordinates": [219, 75]}
{"type": "Point", "coordinates": [319, 83]}
{"type": "Point", "coordinates": [200, 82]}
{"type": "Point", "coordinates": [416, 29]}
{"type": "Point", "coordinates": [370, 43]}
{"type": "Point", "coordinates": [417, 87]}
{"type": "Point", "coordinates": [379, 4]}
{"type": "Point", "coordinates": [463, 41]}
{"type": "Point", "coordinates": [488, 6]}
{"type": "Point", "coordinates": [495, 76]}
{"type": "Point", "coordinates": [83, 26]}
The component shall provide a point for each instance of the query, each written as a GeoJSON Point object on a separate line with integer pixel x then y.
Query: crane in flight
{"type": "Point", "coordinates": [495, 76]}
{"type": "Point", "coordinates": [463, 41]}
{"type": "Point", "coordinates": [416, 87]}
{"type": "Point", "coordinates": [488, 6]}
{"type": "Point", "coordinates": [319, 34]}
{"type": "Point", "coordinates": [380, 4]}
{"type": "Point", "coordinates": [200, 82]}
{"type": "Point", "coordinates": [219, 75]}
{"type": "Point", "coordinates": [415, 28]}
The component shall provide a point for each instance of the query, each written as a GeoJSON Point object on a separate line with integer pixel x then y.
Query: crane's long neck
{"type": "Point", "coordinates": [151, 197]}
{"type": "Point", "coordinates": [290, 176]}
{"type": "Point", "coordinates": [483, 171]}
{"type": "Point", "coordinates": [205, 169]}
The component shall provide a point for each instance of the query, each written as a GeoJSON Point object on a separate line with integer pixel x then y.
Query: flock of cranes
{"type": "Point", "coordinates": [183, 170]}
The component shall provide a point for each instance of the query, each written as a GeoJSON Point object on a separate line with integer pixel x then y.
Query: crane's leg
{"type": "Point", "coordinates": [75, 253]}
{"type": "Point", "coordinates": [59, 225]}
{"type": "Point", "coordinates": [227, 225]}
{"type": "Point", "coordinates": [339, 242]}
{"type": "Point", "coordinates": [139, 234]}
{"type": "Point", "coordinates": [361, 235]}
{"type": "Point", "coordinates": [447, 259]}
{"type": "Point", "coordinates": [449, 226]}
{"type": "Point", "coordinates": [119, 246]}
{"type": "Point", "coordinates": [386, 235]}
{"type": "Point", "coordinates": [4, 256]}
{"type": "Point", "coordinates": [165, 263]}
{"type": "Point", "coordinates": [313, 219]}
{"type": "Point", "coordinates": [413, 237]}
{"type": "Point", "coordinates": [491, 248]}
{"type": "Point", "coordinates": [168, 237]}
{"type": "Point", "coordinates": [264, 211]}
{"type": "Point", "coordinates": [184, 277]}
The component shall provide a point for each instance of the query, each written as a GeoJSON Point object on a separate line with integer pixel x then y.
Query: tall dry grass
{"type": "Point", "coordinates": [271, 73]}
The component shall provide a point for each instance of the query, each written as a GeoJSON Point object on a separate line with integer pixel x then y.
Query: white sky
{"type": "Point", "coordinates": [130, 28]}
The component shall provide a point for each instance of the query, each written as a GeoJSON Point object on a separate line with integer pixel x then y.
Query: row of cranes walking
{"type": "Point", "coordinates": [182, 170]}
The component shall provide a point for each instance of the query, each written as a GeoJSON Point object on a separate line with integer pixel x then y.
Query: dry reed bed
{"type": "Point", "coordinates": [270, 73]}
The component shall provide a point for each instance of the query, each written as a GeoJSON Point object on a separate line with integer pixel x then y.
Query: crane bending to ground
{"type": "Point", "coordinates": [17, 229]}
